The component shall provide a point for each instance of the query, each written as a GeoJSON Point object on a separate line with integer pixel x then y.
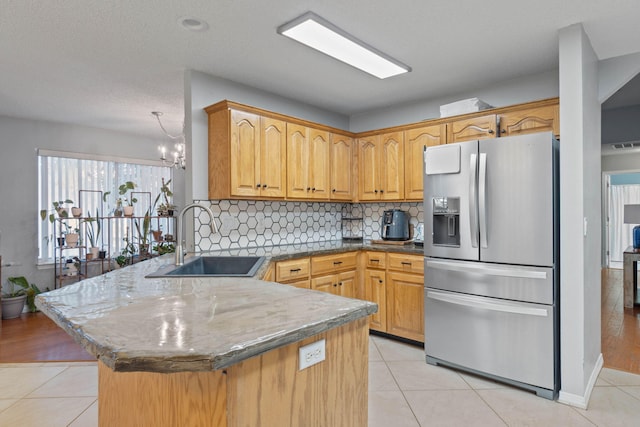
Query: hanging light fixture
{"type": "Point", "coordinates": [176, 157]}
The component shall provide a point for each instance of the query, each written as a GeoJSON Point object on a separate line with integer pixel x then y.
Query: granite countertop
{"type": "Point", "coordinates": [134, 323]}
{"type": "Point", "coordinates": [284, 252]}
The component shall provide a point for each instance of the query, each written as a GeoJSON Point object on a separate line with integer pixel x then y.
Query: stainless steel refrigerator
{"type": "Point", "coordinates": [491, 260]}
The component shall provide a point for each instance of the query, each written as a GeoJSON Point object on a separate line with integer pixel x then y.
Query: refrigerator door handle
{"type": "Point", "coordinates": [482, 199]}
{"type": "Point", "coordinates": [473, 209]}
{"type": "Point", "coordinates": [487, 270]}
{"type": "Point", "coordinates": [482, 303]}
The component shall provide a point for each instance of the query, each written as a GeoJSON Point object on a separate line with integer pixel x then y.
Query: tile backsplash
{"type": "Point", "coordinates": [251, 223]}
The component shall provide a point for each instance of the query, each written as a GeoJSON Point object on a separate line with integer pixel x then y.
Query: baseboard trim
{"type": "Point", "coordinates": [579, 401]}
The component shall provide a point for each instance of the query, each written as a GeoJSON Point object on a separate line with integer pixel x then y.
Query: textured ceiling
{"type": "Point", "coordinates": [110, 63]}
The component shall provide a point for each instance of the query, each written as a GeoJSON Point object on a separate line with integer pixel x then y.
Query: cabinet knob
{"type": "Point", "coordinates": [503, 131]}
{"type": "Point", "coordinates": [381, 191]}
{"type": "Point", "coordinates": [258, 185]}
{"type": "Point", "coordinates": [335, 285]}
{"type": "Point", "coordinates": [308, 188]}
{"type": "Point", "coordinates": [264, 185]}
{"type": "Point", "coordinates": [334, 190]}
{"type": "Point", "coordinates": [379, 280]}
{"type": "Point", "coordinates": [490, 130]}
{"type": "Point", "coordinates": [376, 191]}
{"type": "Point", "coordinates": [340, 283]}
{"type": "Point", "coordinates": [313, 189]}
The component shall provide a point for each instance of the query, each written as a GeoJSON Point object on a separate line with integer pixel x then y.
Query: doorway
{"type": "Point", "coordinates": [621, 189]}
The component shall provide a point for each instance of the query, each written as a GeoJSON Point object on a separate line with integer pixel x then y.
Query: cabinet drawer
{"type": "Point", "coordinates": [294, 269]}
{"type": "Point", "coordinates": [406, 263]}
{"type": "Point", "coordinates": [375, 260]}
{"type": "Point", "coordinates": [332, 263]}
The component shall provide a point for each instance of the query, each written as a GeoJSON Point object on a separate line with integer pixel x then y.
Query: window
{"type": "Point", "coordinates": [84, 179]}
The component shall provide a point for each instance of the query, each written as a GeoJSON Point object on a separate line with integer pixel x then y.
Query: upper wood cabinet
{"type": "Point", "coordinates": [482, 127]}
{"type": "Point", "coordinates": [381, 167]}
{"type": "Point", "coordinates": [258, 154]}
{"type": "Point", "coordinates": [308, 157]}
{"type": "Point", "coordinates": [246, 153]}
{"type": "Point", "coordinates": [540, 119]}
{"type": "Point", "coordinates": [342, 171]}
{"type": "Point", "coordinates": [414, 142]}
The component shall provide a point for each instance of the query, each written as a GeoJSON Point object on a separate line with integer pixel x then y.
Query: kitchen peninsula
{"type": "Point", "coordinates": [216, 351]}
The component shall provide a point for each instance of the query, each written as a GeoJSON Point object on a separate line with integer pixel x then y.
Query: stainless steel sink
{"type": "Point", "coordinates": [214, 266]}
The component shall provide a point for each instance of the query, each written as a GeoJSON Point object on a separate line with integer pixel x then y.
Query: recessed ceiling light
{"type": "Point", "coordinates": [193, 24]}
{"type": "Point", "coordinates": [318, 33]}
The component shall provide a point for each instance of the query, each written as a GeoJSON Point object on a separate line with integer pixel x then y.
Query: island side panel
{"type": "Point", "coordinates": [161, 400]}
{"type": "Point", "coordinates": [269, 390]}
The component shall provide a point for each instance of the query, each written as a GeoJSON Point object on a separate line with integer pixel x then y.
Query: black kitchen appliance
{"type": "Point", "coordinates": [395, 225]}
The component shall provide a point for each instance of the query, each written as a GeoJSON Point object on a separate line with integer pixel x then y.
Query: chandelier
{"type": "Point", "coordinates": [176, 157]}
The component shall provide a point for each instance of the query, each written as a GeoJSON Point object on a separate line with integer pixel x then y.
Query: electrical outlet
{"type": "Point", "coordinates": [311, 354]}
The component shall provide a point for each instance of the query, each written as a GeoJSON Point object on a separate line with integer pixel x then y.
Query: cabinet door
{"type": "Point", "coordinates": [483, 127]}
{"type": "Point", "coordinates": [392, 166]}
{"type": "Point", "coordinates": [347, 284]}
{"type": "Point", "coordinates": [375, 292]}
{"type": "Point", "coordinates": [297, 161]}
{"type": "Point", "coordinates": [405, 312]}
{"type": "Point", "coordinates": [414, 142]}
{"type": "Point", "coordinates": [341, 167]}
{"type": "Point", "coordinates": [539, 119]}
{"type": "Point", "coordinates": [328, 283]}
{"type": "Point", "coordinates": [368, 165]}
{"type": "Point", "coordinates": [318, 160]}
{"type": "Point", "coordinates": [273, 158]}
{"type": "Point", "coordinates": [245, 154]}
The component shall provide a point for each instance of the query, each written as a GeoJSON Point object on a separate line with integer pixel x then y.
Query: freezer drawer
{"type": "Point", "coordinates": [518, 283]}
{"type": "Point", "coordinates": [502, 338]}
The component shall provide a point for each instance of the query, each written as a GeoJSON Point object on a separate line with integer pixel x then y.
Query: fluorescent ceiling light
{"type": "Point", "coordinates": [318, 33]}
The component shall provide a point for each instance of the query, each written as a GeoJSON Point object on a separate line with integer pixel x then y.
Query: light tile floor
{"type": "Point", "coordinates": [403, 392]}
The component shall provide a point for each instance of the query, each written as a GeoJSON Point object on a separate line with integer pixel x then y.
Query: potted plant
{"type": "Point", "coordinates": [76, 212]}
{"type": "Point", "coordinates": [118, 210]}
{"type": "Point", "coordinates": [59, 208]}
{"type": "Point", "coordinates": [13, 301]}
{"type": "Point", "coordinates": [72, 238]}
{"type": "Point", "coordinates": [93, 234]}
{"type": "Point", "coordinates": [164, 248]}
{"type": "Point", "coordinates": [165, 208]}
{"type": "Point", "coordinates": [123, 189]}
{"type": "Point", "coordinates": [143, 234]}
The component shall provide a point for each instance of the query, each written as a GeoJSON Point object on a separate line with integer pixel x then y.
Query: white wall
{"type": "Point", "coordinates": [19, 141]}
{"type": "Point", "coordinates": [581, 357]}
{"type": "Point", "coordinates": [510, 92]}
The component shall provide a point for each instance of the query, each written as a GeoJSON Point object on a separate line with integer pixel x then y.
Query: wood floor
{"type": "Point", "coordinates": [35, 338]}
{"type": "Point", "coordinates": [620, 326]}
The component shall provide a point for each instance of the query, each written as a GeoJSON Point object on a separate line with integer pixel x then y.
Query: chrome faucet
{"type": "Point", "coordinates": [179, 250]}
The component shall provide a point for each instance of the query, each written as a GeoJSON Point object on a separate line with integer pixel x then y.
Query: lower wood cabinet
{"type": "Point", "coordinates": [394, 281]}
{"type": "Point", "coordinates": [336, 274]}
{"type": "Point", "coordinates": [375, 291]}
{"type": "Point", "coordinates": [294, 272]}
{"type": "Point", "coordinates": [343, 284]}
{"type": "Point", "coordinates": [405, 305]}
